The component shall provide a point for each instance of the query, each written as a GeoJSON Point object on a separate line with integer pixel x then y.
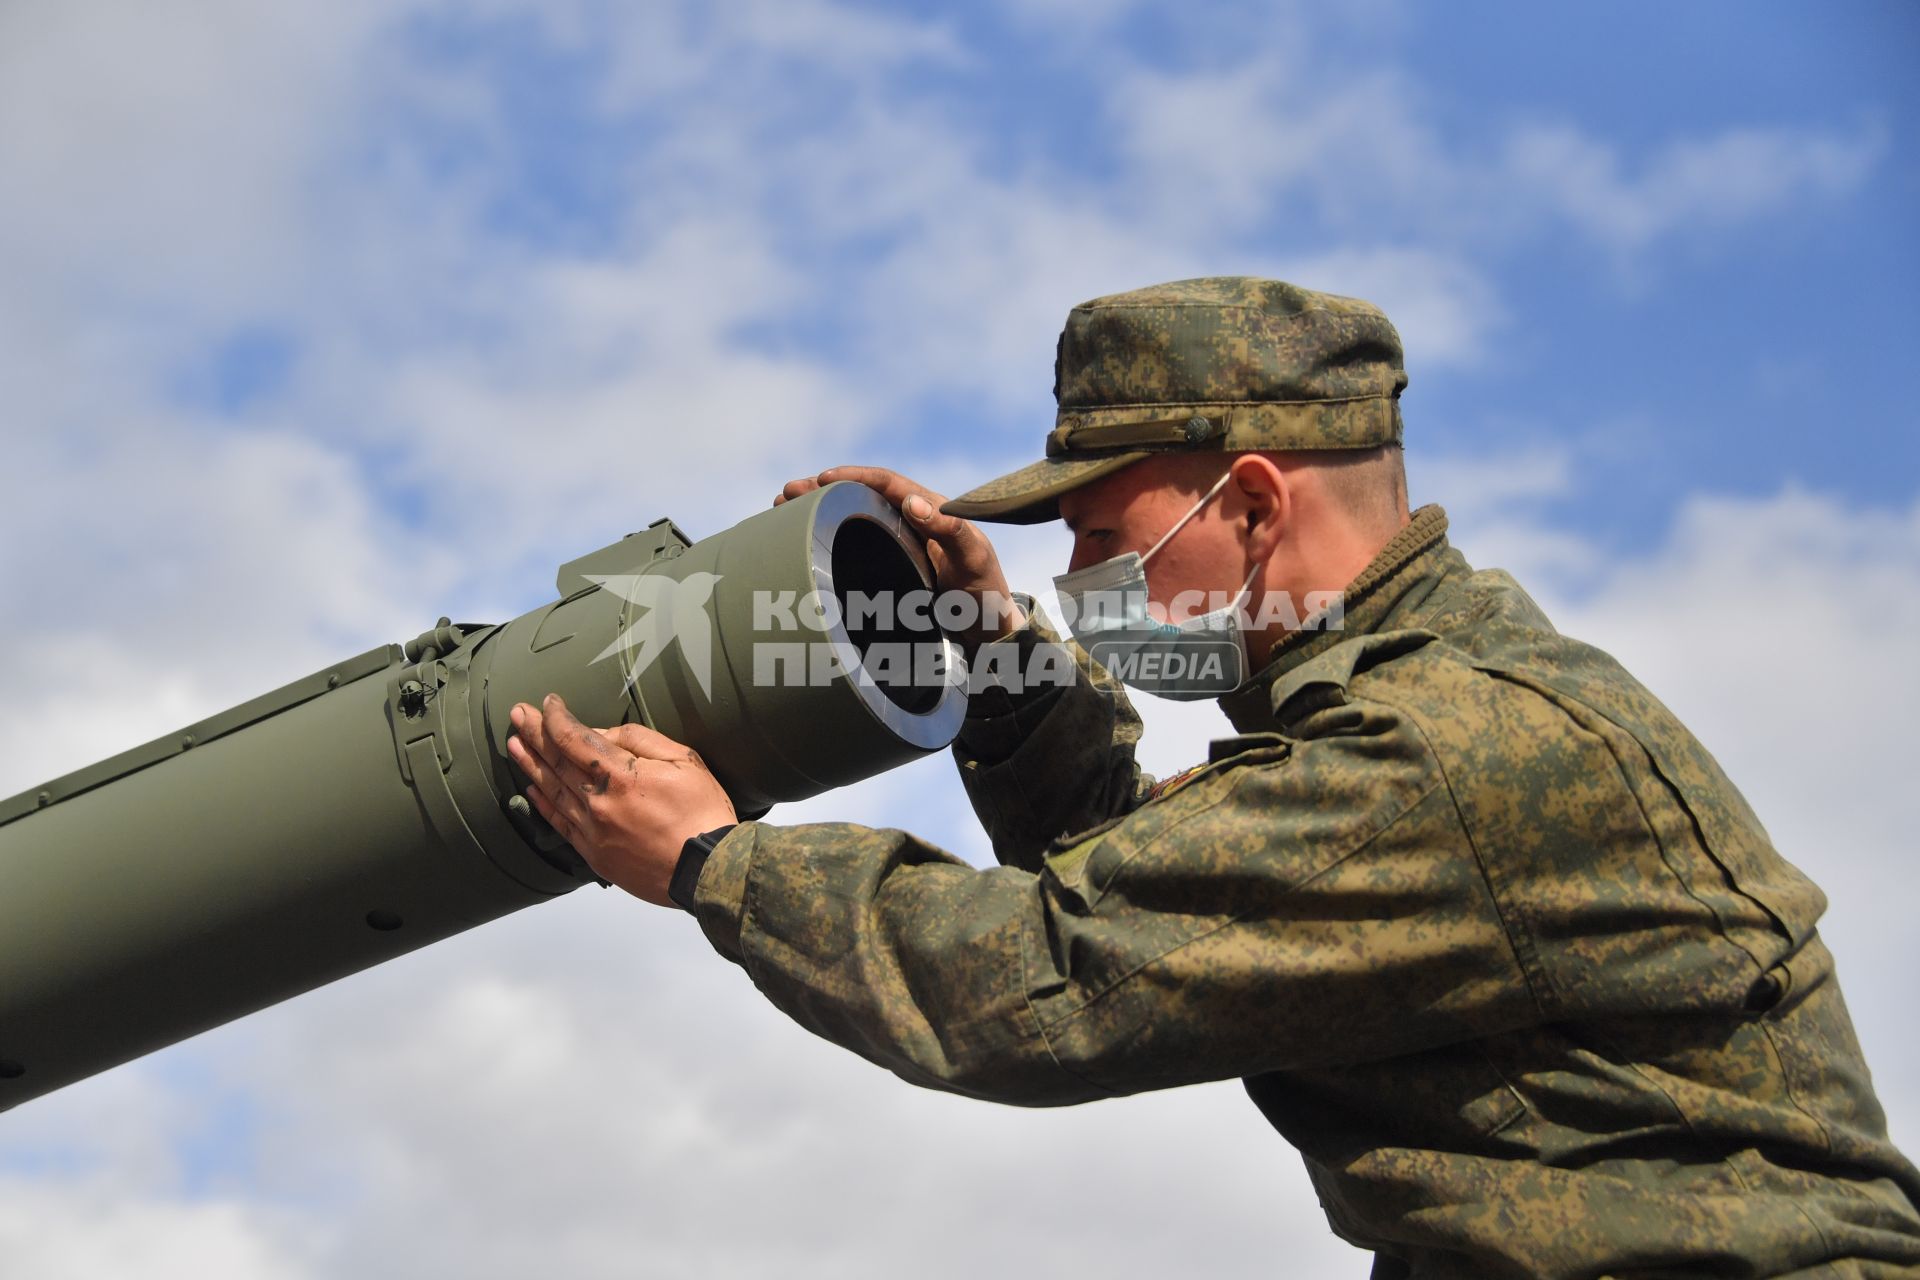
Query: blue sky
{"type": "Point", "coordinates": [1687, 337]}
{"type": "Point", "coordinates": [1689, 222]}
{"type": "Point", "coordinates": [324, 321]}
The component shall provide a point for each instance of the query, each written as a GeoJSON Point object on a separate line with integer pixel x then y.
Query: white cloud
{"type": "Point", "coordinates": [91, 1187]}
{"type": "Point", "coordinates": [182, 570]}
{"type": "Point", "coordinates": [123, 126]}
{"type": "Point", "coordinates": [1228, 149]}
{"type": "Point", "coordinates": [1506, 502]}
{"type": "Point", "coordinates": [1689, 184]}
{"type": "Point", "coordinates": [71, 1232]}
{"type": "Point", "coordinates": [626, 1098]}
{"type": "Point", "coordinates": [659, 50]}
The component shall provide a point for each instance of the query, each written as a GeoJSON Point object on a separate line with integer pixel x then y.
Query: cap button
{"type": "Point", "coordinates": [1198, 429]}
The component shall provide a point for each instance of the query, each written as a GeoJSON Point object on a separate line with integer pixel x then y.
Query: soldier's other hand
{"type": "Point", "coordinates": [626, 798]}
{"type": "Point", "coordinates": [962, 557]}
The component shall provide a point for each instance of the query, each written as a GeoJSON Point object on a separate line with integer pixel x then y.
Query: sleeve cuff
{"type": "Point", "coordinates": [720, 895]}
{"type": "Point", "coordinates": [1011, 688]}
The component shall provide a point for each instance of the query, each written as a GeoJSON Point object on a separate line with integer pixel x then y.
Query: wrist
{"type": "Point", "coordinates": [1003, 616]}
{"type": "Point", "coordinates": [693, 860]}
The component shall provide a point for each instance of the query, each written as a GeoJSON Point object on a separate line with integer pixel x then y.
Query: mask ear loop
{"type": "Point", "coordinates": [1245, 595]}
{"type": "Point", "coordinates": [1218, 485]}
{"type": "Point", "coordinates": [1242, 596]}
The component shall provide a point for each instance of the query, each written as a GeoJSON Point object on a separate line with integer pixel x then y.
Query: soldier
{"type": "Point", "coordinates": [1487, 934]}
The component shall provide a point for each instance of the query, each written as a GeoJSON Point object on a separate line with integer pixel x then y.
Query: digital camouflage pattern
{"type": "Point", "coordinates": [1489, 936]}
{"type": "Point", "coordinates": [1221, 363]}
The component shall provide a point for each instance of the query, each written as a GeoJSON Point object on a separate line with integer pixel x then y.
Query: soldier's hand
{"type": "Point", "coordinates": [626, 798]}
{"type": "Point", "coordinates": [962, 557]}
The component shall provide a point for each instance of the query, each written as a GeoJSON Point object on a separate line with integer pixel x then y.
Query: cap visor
{"type": "Point", "coordinates": [1032, 494]}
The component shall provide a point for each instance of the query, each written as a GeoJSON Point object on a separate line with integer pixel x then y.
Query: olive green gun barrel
{"type": "Point", "coordinates": [370, 808]}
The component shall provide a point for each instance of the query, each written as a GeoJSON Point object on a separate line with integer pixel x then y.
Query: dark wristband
{"type": "Point", "coordinates": [693, 859]}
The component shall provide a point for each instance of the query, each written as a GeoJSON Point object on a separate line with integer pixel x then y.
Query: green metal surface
{"type": "Point", "coordinates": [369, 809]}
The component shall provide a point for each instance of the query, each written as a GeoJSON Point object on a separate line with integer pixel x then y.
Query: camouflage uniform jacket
{"type": "Point", "coordinates": [1489, 936]}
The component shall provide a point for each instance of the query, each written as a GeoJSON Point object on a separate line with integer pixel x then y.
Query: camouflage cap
{"type": "Point", "coordinates": [1225, 363]}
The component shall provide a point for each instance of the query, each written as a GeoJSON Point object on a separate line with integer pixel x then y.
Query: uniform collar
{"type": "Point", "coordinates": [1394, 583]}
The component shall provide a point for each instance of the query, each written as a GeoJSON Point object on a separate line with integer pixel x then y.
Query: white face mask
{"type": "Point", "coordinates": [1106, 604]}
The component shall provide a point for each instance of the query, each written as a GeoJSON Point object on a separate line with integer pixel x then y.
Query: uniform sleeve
{"type": "Point", "coordinates": [1306, 903]}
{"type": "Point", "coordinates": [1047, 748]}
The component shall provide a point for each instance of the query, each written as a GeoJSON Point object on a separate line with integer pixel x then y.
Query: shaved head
{"type": "Point", "coordinates": [1367, 486]}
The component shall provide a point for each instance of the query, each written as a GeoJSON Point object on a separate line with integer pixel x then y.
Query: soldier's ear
{"type": "Point", "coordinates": [1266, 499]}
